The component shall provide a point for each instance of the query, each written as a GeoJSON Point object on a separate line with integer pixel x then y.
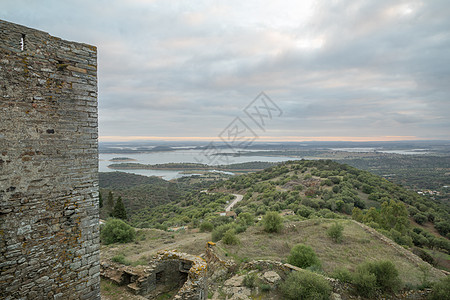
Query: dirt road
{"type": "Point", "coordinates": [238, 198]}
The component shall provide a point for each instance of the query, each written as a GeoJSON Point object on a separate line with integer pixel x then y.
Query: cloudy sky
{"type": "Point", "coordinates": [336, 70]}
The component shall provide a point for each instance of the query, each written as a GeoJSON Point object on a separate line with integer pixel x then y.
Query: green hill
{"type": "Point", "coordinates": [379, 221]}
{"type": "Point", "coordinates": [300, 189]}
{"type": "Point", "coordinates": [143, 193]}
{"type": "Point", "coordinates": [138, 192]}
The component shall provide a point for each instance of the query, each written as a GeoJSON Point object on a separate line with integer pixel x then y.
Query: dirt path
{"type": "Point", "coordinates": [238, 198]}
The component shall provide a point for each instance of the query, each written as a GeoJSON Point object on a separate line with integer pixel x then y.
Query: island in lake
{"type": "Point", "coordinates": [121, 159]}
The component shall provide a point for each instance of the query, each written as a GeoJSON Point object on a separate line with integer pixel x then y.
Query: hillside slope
{"type": "Point", "coordinates": [138, 192]}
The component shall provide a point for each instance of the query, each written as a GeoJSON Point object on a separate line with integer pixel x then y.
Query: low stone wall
{"type": "Point", "coordinates": [215, 262]}
{"type": "Point", "coordinates": [195, 286]}
{"type": "Point", "coordinates": [284, 269]}
{"type": "Point", "coordinates": [169, 269]}
{"type": "Point", "coordinates": [341, 290]}
{"type": "Point", "coordinates": [404, 252]}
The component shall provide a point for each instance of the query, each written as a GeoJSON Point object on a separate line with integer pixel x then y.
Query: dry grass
{"type": "Point", "coordinates": [150, 241]}
{"type": "Point", "coordinates": [111, 291]}
{"type": "Point", "coordinates": [357, 246]}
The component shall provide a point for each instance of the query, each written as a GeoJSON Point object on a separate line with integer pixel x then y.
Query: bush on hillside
{"type": "Point", "coordinates": [230, 238]}
{"type": "Point", "coordinates": [303, 256]}
{"type": "Point", "coordinates": [335, 232]}
{"type": "Point", "coordinates": [206, 226]}
{"type": "Point", "coordinates": [250, 280]}
{"type": "Point", "coordinates": [365, 283]}
{"type": "Point", "coordinates": [218, 232]}
{"type": "Point", "coordinates": [441, 290]}
{"type": "Point", "coordinates": [272, 222]}
{"type": "Point", "coordinates": [246, 219]}
{"type": "Point", "coordinates": [305, 285]}
{"type": "Point", "coordinates": [342, 274]}
{"type": "Point", "coordinates": [120, 258]}
{"type": "Point", "coordinates": [383, 272]}
{"type": "Point", "coordinates": [116, 231]}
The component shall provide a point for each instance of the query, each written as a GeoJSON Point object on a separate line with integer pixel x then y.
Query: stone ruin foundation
{"type": "Point", "coordinates": [169, 271]}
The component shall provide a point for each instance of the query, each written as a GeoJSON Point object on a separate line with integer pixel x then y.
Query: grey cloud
{"type": "Point", "coordinates": [188, 68]}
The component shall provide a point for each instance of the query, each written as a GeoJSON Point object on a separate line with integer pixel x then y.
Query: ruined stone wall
{"type": "Point", "coordinates": [169, 270]}
{"type": "Point", "coordinates": [49, 242]}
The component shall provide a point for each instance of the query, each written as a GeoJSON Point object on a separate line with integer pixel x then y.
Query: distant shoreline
{"type": "Point", "coordinates": [240, 167]}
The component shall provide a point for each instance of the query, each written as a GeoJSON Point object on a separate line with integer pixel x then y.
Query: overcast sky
{"type": "Point", "coordinates": [336, 70]}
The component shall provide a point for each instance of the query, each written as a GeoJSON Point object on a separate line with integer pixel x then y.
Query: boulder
{"type": "Point", "coordinates": [271, 277]}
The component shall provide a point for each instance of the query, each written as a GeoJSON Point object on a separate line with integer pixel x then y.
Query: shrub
{"type": "Point", "coordinates": [384, 272]}
{"type": "Point", "coordinates": [304, 211]}
{"type": "Point", "coordinates": [365, 282]}
{"type": "Point", "coordinates": [218, 232]}
{"type": "Point", "coordinates": [240, 228]}
{"type": "Point", "coordinates": [303, 256]}
{"type": "Point", "coordinates": [399, 238]}
{"type": "Point", "coordinates": [116, 231]}
{"type": "Point", "coordinates": [265, 287]}
{"type": "Point", "coordinates": [367, 189]}
{"type": "Point", "coordinates": [305, 285]}
{"type": "Point", "coordinates": [206, 226]}
{"type": "Point", "coordinates": [327, 182]}
{"type": "Point", "coordinates": [221, 220]}
{"type": "Point", "coordinates": [441, 290]}
{"type": "Point", "coordinates": [250, 280]}
{"type": "Point", "coordinates": [336, 189]}
{"type": "Point", "coordinates": [272, 222]}
{"type": "Point", "coordinates": [335, 232]}
{"type": "Point", "coordinates": [230, 238]}
{"type": "Point", "coordinates": [120, 258]}
{"type": "Point", "coordinates": [335, 179]}
{"type": "Point", "coordinates": [246, 219]}
{"type": "Point", "coordinates": [420, 218]}
{"type": "Point", "coordinates": [424, 256]}
{"type": "Point", "coordinates": [342, 274]}
{"type": "Point", "coordinates": [161, 227]}
{"type": "Point", "coordinates": [443, 227]}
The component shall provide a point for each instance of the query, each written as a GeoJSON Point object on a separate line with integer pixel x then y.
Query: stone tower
{"type": "Point", "coordinates": [49, 231]}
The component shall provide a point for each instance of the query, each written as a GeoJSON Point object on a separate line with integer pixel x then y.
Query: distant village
{"type": "Point", "coordinates": [429, 192]}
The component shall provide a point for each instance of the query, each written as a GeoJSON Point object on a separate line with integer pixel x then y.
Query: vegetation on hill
{"type": "Point", "coordinates": [361, 259]}
{"type": "Point", "coordinates": [324, 187]}
{"type": "Point", "coordinates": [322, 254]}
{"type": "Point", "coordinates": [137, 192]}
{"type": "Point", "coordinates": [305, 190]}
{"type": "Point", "coordinates": [302, 211]}
{"type": "Point", "coordinates": [413, 171]}
{"type": "Point", "coordinates": [121, 180]}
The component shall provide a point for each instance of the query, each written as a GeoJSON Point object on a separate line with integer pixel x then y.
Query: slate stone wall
{"type": "Point", "coordinates": [49, 230]}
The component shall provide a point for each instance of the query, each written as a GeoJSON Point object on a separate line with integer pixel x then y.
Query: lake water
{"type": "Point", "coordinates": [368, 149]}
{"type": "Point", "coordinates": [179, 156]}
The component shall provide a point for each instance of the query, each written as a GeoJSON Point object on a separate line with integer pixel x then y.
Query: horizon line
{"type": "Point", "coordinates": [269, 139]}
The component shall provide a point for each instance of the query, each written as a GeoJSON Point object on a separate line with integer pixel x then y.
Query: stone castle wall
{"type": "Point", "coordinates": [49, 231]}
